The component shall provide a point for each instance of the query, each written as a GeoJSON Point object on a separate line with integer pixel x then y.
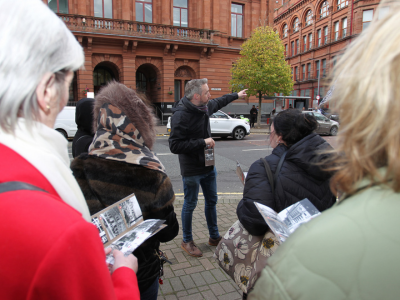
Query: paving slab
{"type": "Point", "coordinates": [199, 277]}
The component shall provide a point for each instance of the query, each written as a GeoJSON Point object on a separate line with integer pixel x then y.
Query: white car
{"type": "Point", "coordinates": [65, 122]}
{"type": "Point", "coordinates": [223, 125]}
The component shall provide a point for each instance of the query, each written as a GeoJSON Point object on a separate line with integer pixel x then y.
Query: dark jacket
{"type": "Point", "coordinates": [253, 112]}
{"type": "Point", "coordinates": [83, 119]}
{"type": "Point", "coordinates": [299, 178]}
{"type": "Point", "coordinates": [189, 128]}
{"type": "Point", "coordinates": [105, 181]}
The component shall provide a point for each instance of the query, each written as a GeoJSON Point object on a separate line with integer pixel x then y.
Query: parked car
{"type": "Point", "coordinates": [65, 122]}
{"type": "Point", "coordinates": [222, 125]}
{"type": "Point", "coordinates": [325, 125]}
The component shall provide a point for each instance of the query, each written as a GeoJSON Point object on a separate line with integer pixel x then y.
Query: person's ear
{"type": "Point", "coordinates": [45, 92]}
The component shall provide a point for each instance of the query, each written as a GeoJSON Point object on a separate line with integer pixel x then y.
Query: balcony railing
{"type": "Point", "coordinates": [136, 29]}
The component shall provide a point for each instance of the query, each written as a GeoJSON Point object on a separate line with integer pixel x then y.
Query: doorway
{"type": "Point", "coordinates": [102, 74]}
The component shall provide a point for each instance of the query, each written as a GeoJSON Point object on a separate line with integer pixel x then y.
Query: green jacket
{"type": "Point", "coordinates": [350, 251]}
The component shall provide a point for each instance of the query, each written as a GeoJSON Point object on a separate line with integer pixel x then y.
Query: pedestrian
{"type": "Point", "coordinates": [253, 115]}
{"type": "Point", "coordinates": [293, 138]}
{"type": "Point", "coordinates": [332, 257]}
{"type": "Point", "coordinates": [290, 106]}
{"type": "Point", "coordinates": [190, 137]}
{"type": "Point", "coordinates": [49, 247]}
{"type": "Point", "coordinates": [271, 118]}
{"type": "Point", "coordinates": [119, 163]}
{"type": "Point", "coordinates": [84, 120]}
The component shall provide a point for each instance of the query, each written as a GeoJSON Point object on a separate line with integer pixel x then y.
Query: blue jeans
{"type": "Point", "coordinates": [191, 185]}
{"type": "Point", "coordinates": [152, 292]}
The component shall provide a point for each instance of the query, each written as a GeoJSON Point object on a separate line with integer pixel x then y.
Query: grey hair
{"type": "Point", "coordinates": [33, 42]}
{"type": "Point", "coordinates": [194, 87]}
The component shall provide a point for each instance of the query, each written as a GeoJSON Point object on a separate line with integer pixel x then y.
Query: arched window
{"type": "Point", "coordinates": [309, 17]}
{"type": "Point", "coordinates": [102, 74]}
{"type": "Point", "coordinates": [296, 25]}
{"type": "Point", "coordinates": [285, 29]}
{"type": "Point", "coordinates": [58, 6]}
{"type": "Point", "coordinates": [323, 11]}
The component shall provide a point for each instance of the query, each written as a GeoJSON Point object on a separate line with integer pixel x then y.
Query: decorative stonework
{"type": "Point", "coordinates": [186, 68]}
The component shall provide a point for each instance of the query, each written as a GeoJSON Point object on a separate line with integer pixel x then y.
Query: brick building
{"type": "Point", "coordinates": [158, 45]}
{"type": "Point", "coordinates": [314, 33]}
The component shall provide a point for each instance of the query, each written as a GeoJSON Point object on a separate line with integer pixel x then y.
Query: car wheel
{"type": "Point", "coordinates": [334, 130]}
{"type": "Point", "coordinates": [63, 133]}
{"type": "Point", "coordinates": [239, 133]}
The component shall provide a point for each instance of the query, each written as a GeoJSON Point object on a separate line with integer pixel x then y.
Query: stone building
{"type": "Point", "coordinates": [158, 45]}
{"type": "Point", "coordinates": [314, 33]}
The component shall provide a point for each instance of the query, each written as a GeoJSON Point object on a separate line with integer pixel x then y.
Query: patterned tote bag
{"type": "Point", "coordinates": [243, 256]}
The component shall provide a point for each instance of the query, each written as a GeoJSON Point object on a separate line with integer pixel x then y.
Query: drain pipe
{"type": "Point", "coordinates": [351, 19]}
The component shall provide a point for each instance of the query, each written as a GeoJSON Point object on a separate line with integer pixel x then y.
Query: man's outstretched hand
{"type": "Point", "coordinates": [242, 93]}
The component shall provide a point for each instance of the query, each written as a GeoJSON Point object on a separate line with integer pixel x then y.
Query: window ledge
{"type": "Point", "coordinates": [236, 38]}
{"type": "Point", "coordinates": [339, 9]}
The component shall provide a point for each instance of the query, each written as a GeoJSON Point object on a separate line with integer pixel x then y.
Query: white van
{"type": "Point", "coordinates": [65, 122]}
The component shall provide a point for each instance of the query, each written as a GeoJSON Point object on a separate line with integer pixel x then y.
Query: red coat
{"type": "Point", "coordinates": [47, 250]}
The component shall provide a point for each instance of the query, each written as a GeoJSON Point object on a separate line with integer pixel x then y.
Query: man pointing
{"type": "Point", "coordinates": [190, 137]}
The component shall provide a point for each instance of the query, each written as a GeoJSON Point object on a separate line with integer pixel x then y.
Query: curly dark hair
{"type": "Point", "coordinates": [294, 125]}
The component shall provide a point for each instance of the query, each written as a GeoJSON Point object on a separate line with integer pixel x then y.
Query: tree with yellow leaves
{"type": "Point", "coordinates": [262, 68]}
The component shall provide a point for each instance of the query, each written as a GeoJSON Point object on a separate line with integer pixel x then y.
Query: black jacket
{"type": "Point", "coordinates": [83, 119]}
{"type": "Point", "coordinates": [105, 181]}
{"type": "Point", "coordinates": [299, 178]}
{"type": "Point", "coordinates": [189, 128]}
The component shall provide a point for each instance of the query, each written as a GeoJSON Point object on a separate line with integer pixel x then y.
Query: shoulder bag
{"type": "Point", "coordinates": [243, 256]}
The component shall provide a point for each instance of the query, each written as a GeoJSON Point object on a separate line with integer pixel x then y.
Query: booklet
{"type": "Point", "coordinates": [121, 226]}
{"type": "Point", "coordinates": [289, 219]}
{"type": "Point", "coordinates": [209, 156]}
{"type": "Point", "coordinates": [242, 175]}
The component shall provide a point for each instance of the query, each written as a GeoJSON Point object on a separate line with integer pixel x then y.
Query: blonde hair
{"type": "Point", "coordinates": [367, 92]}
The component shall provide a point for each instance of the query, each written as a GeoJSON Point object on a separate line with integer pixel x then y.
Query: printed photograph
{"type": "Point", "coordinates": [102, 233]}
{"type": "Point", "coordinates": [209, 154]}
{"type": "Point", "coordinates": [113, 222]}
{"type": "Point", "coordinates": [131, 211]}
{"type": "Point", "coordinates": [279, 229]}
{"type": "Point", "coordinates": [149, 225]}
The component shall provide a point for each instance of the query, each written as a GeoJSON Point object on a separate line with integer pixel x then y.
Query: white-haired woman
{"type": "Point", "coordinates": [49, 249]}
{"type": "Point", "coordinates": [351, 250]}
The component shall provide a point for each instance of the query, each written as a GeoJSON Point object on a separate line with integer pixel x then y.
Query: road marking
{"type": "Point", "coordinates": [258, 149]}
{"type": "Point", "coordinates": [256, 140]}
{"type": "Point", "coordinates": [200, 194]}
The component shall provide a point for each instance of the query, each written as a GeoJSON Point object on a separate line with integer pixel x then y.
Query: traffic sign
{"type": "Point", "coordinates": [317, 97]}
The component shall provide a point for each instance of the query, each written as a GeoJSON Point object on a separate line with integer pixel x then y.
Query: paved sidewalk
{"type": "Point", "coordinates": [199, 278]}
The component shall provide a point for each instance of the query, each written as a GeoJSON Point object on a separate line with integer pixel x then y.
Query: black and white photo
{"type": "Point", "coordinates": [113, 221]}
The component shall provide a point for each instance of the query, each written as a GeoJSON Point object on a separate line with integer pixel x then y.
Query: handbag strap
{"type": "Point", "coordinates": [278, 168]}
{"type": "Point", "coordinates": [269, 175]}
{"type": "Point", "coordinates": [10, 186]}
{"type": "Point", "coordinates": [272, 178]}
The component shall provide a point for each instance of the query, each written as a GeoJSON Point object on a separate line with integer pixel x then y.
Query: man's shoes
{"type": "Point", "coordinates": [214, 242]}
{"type": "Point", "coordinates": [191, 249]}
